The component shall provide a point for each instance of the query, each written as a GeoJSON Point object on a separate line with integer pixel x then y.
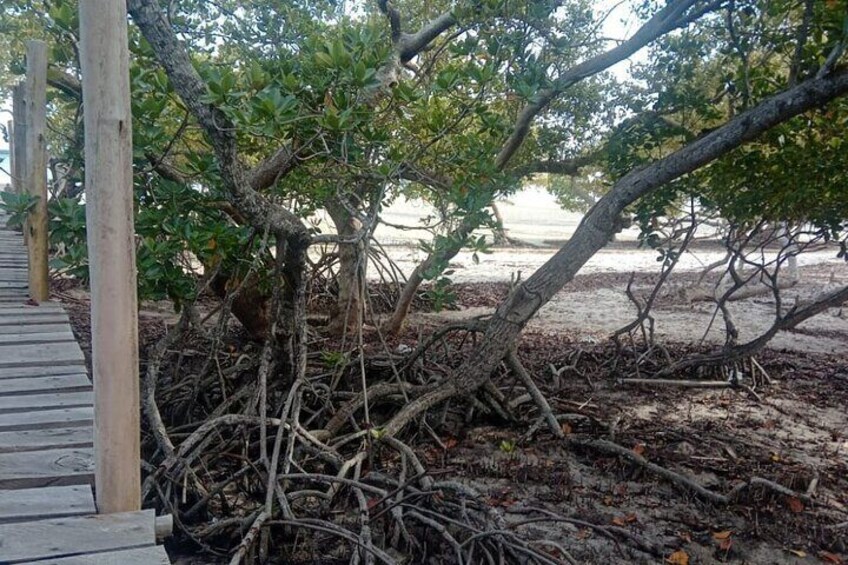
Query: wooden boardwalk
{"type": "Point", "coordinates": [47, 509]}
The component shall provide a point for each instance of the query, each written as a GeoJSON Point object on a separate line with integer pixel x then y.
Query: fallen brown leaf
{"type": "Point", "coordinates": [795, 505]}
{"type": "Point", "coordinates": [722, 535]}
{"type": "Point", "coordinates": [618, 521]}
{"type": "Point", "coordinates": [679, 557]}
{"type": "Point", "coordinates": [639, 449]}
{"type": "Point", "coordinates": [830, 557]}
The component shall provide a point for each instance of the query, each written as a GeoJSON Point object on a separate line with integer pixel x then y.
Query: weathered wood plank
{"type": "Point", "coordinates": [50, 467]}
{"type": "Point", "coordinates": [48, 401]}
{"type": "Point", "coordinates": [37, 337]}
{"type": "Point", "coordinates": [153, 555]}
{"type": "Point", "coordinates": [70, 537]}
{"type": "Point", "coordinates": [59, 418]}
{"type": "Point", "coordinates": [37, 440]}
{"type": "Point", "coordinates": [43, 308]}
{"type": "Point", "coordinates": [35, 385]}
{"type": "Point", "coordinates": [18, 320]}
{"type": "Point", "coordinates": [45, 370]}
{"type": "Point", "coordinates": [34, 329]}
{"type": "Point", "coordinates": [45, 354]}
{"type": "Point", "coordinates": [45, 503]}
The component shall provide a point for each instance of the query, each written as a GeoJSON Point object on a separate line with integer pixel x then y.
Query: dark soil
{"type": "Point", "coordinates": [795, 434]}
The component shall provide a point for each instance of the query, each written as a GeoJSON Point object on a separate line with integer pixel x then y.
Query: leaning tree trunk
{"type": "Point", "coordinates": [347, 311]}
{"type": "Point", "coordinates": [601, 222]}
{"type": "Point", "coordinates": [441, 255]}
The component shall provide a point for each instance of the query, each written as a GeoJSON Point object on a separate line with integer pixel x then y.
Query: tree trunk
{"type": "Point", "coordinates": [347, 311]}
{"type": "Point", "coordinates": [250, 306]}
{"type": "Point", "coordinates": [498, 232]}
{"type": "Point", "coordinates": [442, 255]}
{"type": "Point", "coordinates": [290, 322]}
{"type": "Point", "coordinates": [601, 222]}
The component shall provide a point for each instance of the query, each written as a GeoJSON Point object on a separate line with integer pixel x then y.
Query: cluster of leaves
{"type": "Point", "coordinates": [17, 206]}
{"type": "Point", "coordinates": [701, 76]}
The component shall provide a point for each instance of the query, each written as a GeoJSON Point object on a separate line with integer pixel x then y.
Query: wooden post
{"type": "Point", "coordinates": [10, 131]}
{"type": "Point", "coordinates": [104, 60]}
{"type": "Point", "coordinates": [35, 173]}
{"type": "Point", "coordinates": [18, 138]}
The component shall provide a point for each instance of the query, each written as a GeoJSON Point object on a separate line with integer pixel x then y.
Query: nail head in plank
{"type": "Point", "coordinates": [45, 503]}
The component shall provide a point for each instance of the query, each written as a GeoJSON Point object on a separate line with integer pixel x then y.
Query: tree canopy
{"type": "Point", "coordinates": [248, 117]}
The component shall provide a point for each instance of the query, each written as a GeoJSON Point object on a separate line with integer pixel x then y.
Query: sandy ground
{"type": "Point", "coordinates": [534, 217]}
{"type": "Point", "coordinates": [599, 312]}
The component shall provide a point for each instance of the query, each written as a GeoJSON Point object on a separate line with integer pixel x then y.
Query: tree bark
{"type": "Point", "coordinates": [347, 311]}
{"type": "Point", "coordinates": [250, 306]}
{"type": "Point", "coordinates": [600, 223]}
{"type": "Point", "coordinates": [668, 18]}
{"type": "Point", "coordinates": [442, 255]}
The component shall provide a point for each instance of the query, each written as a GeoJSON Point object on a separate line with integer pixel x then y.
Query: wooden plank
{"type": "Point", "coordinates": [35, 328]}
{"type": "Point", "coordinates": [17, 320]}
{"type": "Point", "coordinates": [37, 337]}
{"type": "Point", "coordinates": [44, 307]}
{"type": "Point", "coordinates": [50, 467]}
{"type": "Point", "coordinates": [45, 354]}
{"type": "Point", "coordinates": [42, 419]}
{"type": "Point", "coordinates": [48, 401]}
{"type": "Point", "coordinates": [24, 313]}
{"type": "Point", "coordinates": [36, 440]}
{"type": "Point", "coordinates": [38, 371]}
{"type": "Point", "coordinates": [35, 385]}
{"type": "Point", "coordinates": [69, 537]}
{"type": "Point", "coordinates": [45, 503]}
{"type": "Point", "coordinates": [153, 555]}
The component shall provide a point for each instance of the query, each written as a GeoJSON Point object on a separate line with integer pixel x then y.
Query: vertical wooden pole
{"type": "Point", "coordinates": [18, 146]}
{"type": "Point", "coordinates": [109, 216]}
{"type": "Point", "coordinates": [10, 131]}
{"type": "Point", "coordinates": [35, 177]}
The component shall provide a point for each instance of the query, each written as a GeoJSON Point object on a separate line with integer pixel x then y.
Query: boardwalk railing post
{"type": "Point", "coordinates": [13, 173]}
{"type": "Point", "coordinates": [35, 174]}
{"type": "Point", "coordinates": [109, 217]}
{"type": "Point", "coordinates": [18, 139]}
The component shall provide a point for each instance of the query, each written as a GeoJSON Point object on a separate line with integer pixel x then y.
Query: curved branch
{"type": "Point", "coordinates": [186, 81]}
